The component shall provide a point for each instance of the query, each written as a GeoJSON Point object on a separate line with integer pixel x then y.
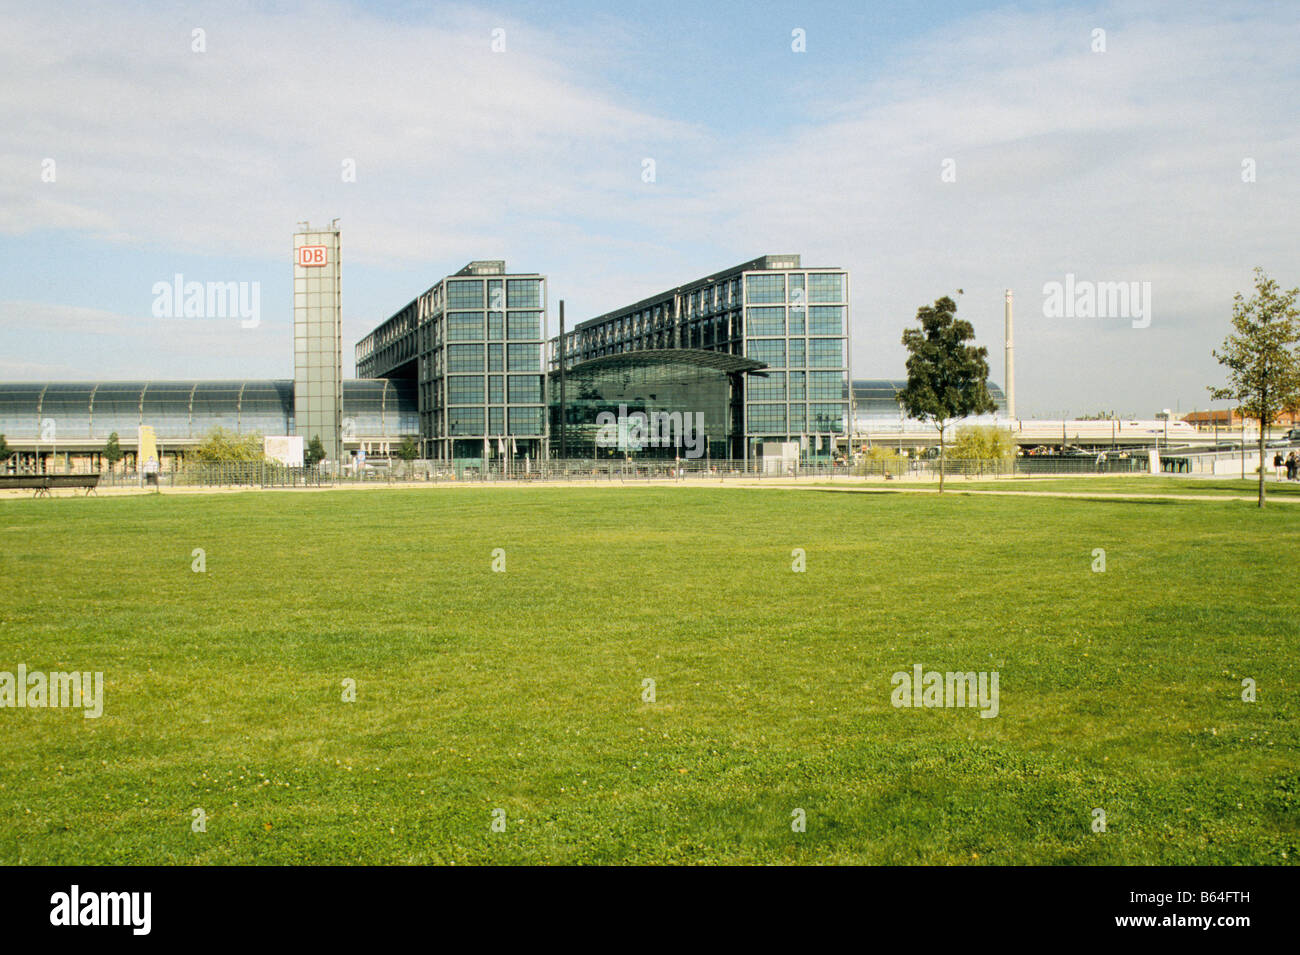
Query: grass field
{"type": "Point", "coordinates": [1131, 484]}
{"type": "Point", "coordinates": [522, 690]}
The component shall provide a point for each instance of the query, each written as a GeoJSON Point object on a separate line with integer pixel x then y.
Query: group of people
{"type": "Point", "coordinates": [1292, 465]}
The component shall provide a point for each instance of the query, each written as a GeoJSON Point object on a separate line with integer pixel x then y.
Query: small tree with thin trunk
{"type": "Point", "coordinates": [947, 378]}
{"type": "Point", "coordinates": [5, 451]}
{"type": "Point", "coordinates": [113, 451]}
{"type": "Point", "coordinates": [1262, 358]}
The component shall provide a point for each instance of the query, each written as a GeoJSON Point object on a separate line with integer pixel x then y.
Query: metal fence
{"type": "Point", "coordinates": [271, 475]}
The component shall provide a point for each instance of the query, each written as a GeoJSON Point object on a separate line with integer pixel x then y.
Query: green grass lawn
{"type": "Point", "coordinates": [522, 690]}
{"type": "Point", "coordinates": [1130, 484]}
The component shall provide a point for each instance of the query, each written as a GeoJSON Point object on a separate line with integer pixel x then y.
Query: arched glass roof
{"type": "Point", "coordinates": [878, 397]}
{"type": "Point", "coordinates": [188, 410]}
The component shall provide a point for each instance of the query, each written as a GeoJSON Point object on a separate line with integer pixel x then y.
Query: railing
{"type": "Point", "coordinates": [270, 475]}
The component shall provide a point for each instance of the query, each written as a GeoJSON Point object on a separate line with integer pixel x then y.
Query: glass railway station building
{"type": "Point", "coordinates": [753, 354]}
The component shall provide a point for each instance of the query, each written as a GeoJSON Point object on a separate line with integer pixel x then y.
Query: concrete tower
{"type": "Point", "coordinates": [318, 337]}
{"type": "Point", "coordinates": [1010, 363]}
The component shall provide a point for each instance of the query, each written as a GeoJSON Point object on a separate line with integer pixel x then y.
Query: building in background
{"type": "Point", "coordinates": [318, 337]}
{"type": "Point", "coordinates": [472, 345]}
{"type": "Point", "coordinates": [64, 426]}
{"type": "Point", "coordinates": [788, 321]}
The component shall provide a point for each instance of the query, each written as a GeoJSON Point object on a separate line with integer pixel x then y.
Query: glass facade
{"type": "Point", "coordinates": [472, 346]}
{"type": "Point", "coordinates": [791, 319]}
{"type": "Point", "coordinates": [653, 404]}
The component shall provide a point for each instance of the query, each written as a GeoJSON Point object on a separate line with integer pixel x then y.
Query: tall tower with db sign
{"type": "Point", "coordinates": [318, 337]}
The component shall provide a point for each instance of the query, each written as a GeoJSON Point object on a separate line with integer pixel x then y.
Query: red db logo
{"type": "Point", "coordinates": [312, 255]}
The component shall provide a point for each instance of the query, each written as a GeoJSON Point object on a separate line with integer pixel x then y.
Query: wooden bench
{"type": "Point", "coordinates": [42, 484]}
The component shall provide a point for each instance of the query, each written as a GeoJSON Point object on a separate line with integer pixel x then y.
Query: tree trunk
{"type": "Point", "coordinates": [941, 459]}
{"type": "Point", "coordinates": [1261, 461]}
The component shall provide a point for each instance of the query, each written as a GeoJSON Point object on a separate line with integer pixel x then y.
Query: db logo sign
{"type": "Point", "coordinates": [312, 255]}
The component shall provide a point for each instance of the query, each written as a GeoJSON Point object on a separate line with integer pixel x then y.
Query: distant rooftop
{"type": "Point", "coordinates": [484, 267]}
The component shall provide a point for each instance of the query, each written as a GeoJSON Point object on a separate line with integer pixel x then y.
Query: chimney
{"type": "Point", "coordinates": [1010, 383]}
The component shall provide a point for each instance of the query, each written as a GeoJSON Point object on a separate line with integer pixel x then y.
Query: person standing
{"type": "Point", "coordinates": [1291, 464]}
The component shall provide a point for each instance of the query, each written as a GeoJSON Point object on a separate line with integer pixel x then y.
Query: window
{"type": "Point", "coordinates": [797, 293]}
{"type": "Point", "coordinates": [465, 390]}
{"type": "Point", "coordinates": [525, 389]}
{"type": "Point", "coordinates": [496, 324]}
{"type": "Point", "coordinates": [526, 421]}
{"type": "Point", "coordinates": [464, 293]}
{"type": "Point", "coordinates": [767, 418]}
{"type": "Point", "coordinates": [496, 421]}
{"type": "Point", "coordinates": [824, 418]}
{"type": "Point", "coordinates": [827, 386]}
{"type": "Point", "coordinates": [465, 357]}
{"type": "Point", "coordinates": [462, 421]}
{"type": "Point", "coordinates": [760, 289]}
{"type": "Point", "coordinates": [495, 360]}
{"type": "Point", "coordinates": [798, 419]}
{"type": "Point", "coordinates": [765, 321]}
{"type": "Point", "coordinates": [767, 389]}
{"type": "Point", "coordinates": [797, 315]}
{"type": "Point", "coordinates": [770, 352]}
{"type": "Point", "coordinates": [525, 357]}
{"type": "Point", "coordinates": [826, 320]}
{"type": "Point", "coordinates": [464, 326]}
{"type": "Point", "coordinates": [796, 385]}
{"type": "Point", "coordinates": [496, 296]}
{"type": "Point", "coordinates": [798, 353]}
{"type": "Point", "coordinates": [496, 389]}
{"type": "Point", "coordinates": [526, 326]}
{"type": "Point", "coordinates": [826, 287]}
{"type": "Point", "coordinates": [524, 293]}
{"type": "Point", "coordinates": [826, 353]}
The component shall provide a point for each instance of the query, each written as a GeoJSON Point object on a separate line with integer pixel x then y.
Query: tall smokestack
{"type": "Point", "coordinates": [1010, 383]}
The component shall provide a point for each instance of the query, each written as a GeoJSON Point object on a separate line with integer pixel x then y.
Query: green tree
{"type": "Point", "coordinates": [223, 445]}
{"type": "Point", "coordinates": [409, 450]}
{"type": "Point", "coordinates": [947, 378]}
{"type": "Point", "coordinates": [983, 444]}
{"type": "Point", "coordinates": [1262, 358]}
{"type": "Point", "coordinates": [315, 452]}
{"type": "Point", "coordinates": [113, 451]}
{"type": "Point", "coordinates": [5, 450]}
{"type": "Point", "coordinates": [887, 459]}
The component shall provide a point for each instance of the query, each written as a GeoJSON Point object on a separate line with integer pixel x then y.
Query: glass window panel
{"type": "Point", "coordinates": [765, 321]}
{"type": "Point", "coordinates": [826, 353]}
{"type": "Point", "coordinates": [464, 326]}
{"type": "Point", "coordinates": [464, 293]}
{"type": "Point", "coordinates": [526, 421]}
{"type": "Point", "coordinates": [525, 326]}
{"type": "Point", "coordinates": [465, 389]}
{"type": "Point", "coordinates": [826, 287]}
{"type": "Point", "coordinates": [465, 357]}
{"type": "Point", "coordinates": [761, 289]}
{"type": "Point", "coordinates": [827, 320]}
{"type": "Point", "coordinates": [525, 357]}
{"type": "Point", "coordinates": [525, 389]}
{"type": "Point", "coordinates": [523, 293]}
{"type": "Point", "coordinates": [769, 351]}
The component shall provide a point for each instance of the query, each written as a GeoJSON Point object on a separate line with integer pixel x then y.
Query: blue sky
{"type": "Point", "coordinates": [1117, 165]}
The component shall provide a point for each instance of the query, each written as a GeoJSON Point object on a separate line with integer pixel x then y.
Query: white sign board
{"type": "Point", "coordinates": [287, 449]}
